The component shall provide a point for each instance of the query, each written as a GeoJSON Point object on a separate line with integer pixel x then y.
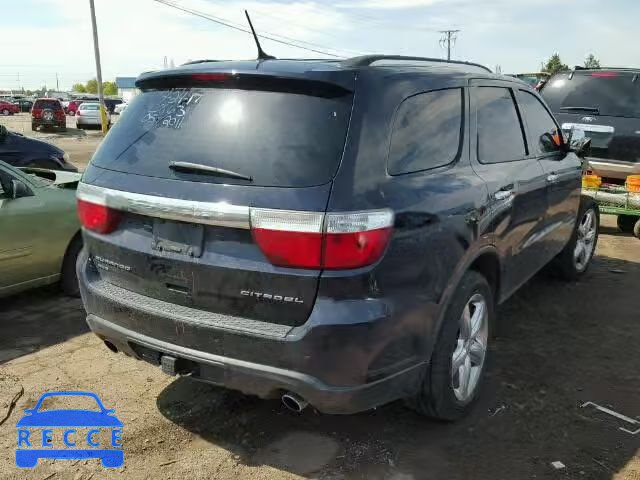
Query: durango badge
{"type": "Point", "coordinates": [270, 296]}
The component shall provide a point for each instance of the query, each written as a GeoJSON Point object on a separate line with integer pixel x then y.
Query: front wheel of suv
{"type": "Point", "coordinates": [459, 357]}
{"type": "Point", "coordinates": [575, 258]}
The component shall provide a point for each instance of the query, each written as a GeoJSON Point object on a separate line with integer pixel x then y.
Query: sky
{"type": "Point", "coordinates": [42, 38]}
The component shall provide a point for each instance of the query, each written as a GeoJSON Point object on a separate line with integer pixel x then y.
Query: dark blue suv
{"type": "Point", "coordinates": [335, 233]}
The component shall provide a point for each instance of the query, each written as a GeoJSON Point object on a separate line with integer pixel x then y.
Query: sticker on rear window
{"type": "Point", "coordinates": [172, 109]}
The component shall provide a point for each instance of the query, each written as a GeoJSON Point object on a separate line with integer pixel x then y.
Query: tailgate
{"type": "Point", "coordinates": [615, 138]}
{"type": "Point", "coordinates": [195, 248]}
{"type": "Point", "coordinates": [184, 235]}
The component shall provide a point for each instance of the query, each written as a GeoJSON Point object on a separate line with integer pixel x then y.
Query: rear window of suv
{"type": "Point", "coordinates": [612, 93]}
{"type": "Point", "coordinates": [277, 138]}
{"type": "Point", "coordinates": [50, 104]}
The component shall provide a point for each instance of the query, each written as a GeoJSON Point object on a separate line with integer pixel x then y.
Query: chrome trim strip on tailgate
{"type": "Point", "coordinates": [210, 213]}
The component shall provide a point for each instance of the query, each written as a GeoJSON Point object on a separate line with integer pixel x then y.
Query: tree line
{"type": "Point", "coordinates": [555, 65]}
{"type": "Point", "coordinates": [91, 86]}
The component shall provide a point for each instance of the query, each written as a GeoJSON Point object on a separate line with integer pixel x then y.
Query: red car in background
{"type": "Point", "coordinates": [7, 108]}
{"type": "Point", "coordinates": [48, 112]}
{"type": "Point", "coordinates": [72, 108]}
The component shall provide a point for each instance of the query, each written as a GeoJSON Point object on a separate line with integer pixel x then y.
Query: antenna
{"type": "Point", "coordinates": [261, 53]}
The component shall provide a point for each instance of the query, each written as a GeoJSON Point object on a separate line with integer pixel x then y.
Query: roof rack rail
{"type": "Point", "coordinates": [366, 60]}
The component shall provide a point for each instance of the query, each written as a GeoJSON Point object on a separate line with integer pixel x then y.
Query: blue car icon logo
{"type": "Point", "coordinates": [31, 447]}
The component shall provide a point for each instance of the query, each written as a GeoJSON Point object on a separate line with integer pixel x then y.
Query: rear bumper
{"type": "Point", "coordinates": [338, 366]}
{"type": "Point", "coordinates": [613, 168]}
{"type": "Point", "coordinates": [88, 120]}
{"type": "Point", "coordinates": [41, 121]}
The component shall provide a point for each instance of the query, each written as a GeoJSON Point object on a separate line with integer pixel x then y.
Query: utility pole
{"type": "Point", "coordinates": [448, 36]}
{"type": "Point", "coordinates": [96, 51]}
{"type": "Point", "coordinates": [57, 84]}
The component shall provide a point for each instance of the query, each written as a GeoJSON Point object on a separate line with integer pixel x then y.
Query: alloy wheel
{"type": "Point", "coordinates": [469, 355]}
{"type": "Point", "coordinates": [585, 241]}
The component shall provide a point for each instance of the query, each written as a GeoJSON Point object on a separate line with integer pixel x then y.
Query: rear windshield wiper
{"type": "Point", "coordinates": [189, 167]}
{"type": "Point", "coordinates": [595, 110]}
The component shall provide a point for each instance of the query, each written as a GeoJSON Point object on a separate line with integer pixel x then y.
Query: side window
{"type": "Point", "coordinates": [543, 130]}
{"type": "Point", "coordinates": [426, 131]}
{"type": "Point", "coordinates": [500, 136]}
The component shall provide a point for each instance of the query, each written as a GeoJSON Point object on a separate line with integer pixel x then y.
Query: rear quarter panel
{"type": "Point", "coordinates": [441, 222]}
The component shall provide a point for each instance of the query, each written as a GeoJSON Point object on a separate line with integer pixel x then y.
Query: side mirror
{"type": "Point", "coordinates": [19, 190]}
{"type": "Point", "coordinates": [3, 133]}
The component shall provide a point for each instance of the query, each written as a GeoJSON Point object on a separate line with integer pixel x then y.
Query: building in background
{"type": "Point", "coordinates": [126, 88]}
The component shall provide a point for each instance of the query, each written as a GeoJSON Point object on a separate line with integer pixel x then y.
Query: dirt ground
{"type": "Point", "coordinates": [79, 144]}
{"type": "Point", "coordinates": [558, 346]}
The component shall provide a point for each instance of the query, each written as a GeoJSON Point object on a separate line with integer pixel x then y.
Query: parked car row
{"type": "Point", "coordinates": [110, 104]}
{"type": "Point", "coordinates": [49, 113]}
{"type": "Point", "coordinates": [70, 108]}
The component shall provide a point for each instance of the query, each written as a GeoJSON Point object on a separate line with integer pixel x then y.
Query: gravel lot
{"type": "Point", "coordinates": [558, 345]}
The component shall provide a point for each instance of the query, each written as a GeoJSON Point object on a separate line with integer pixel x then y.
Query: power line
{"type": "Point", "coordinates": [227, 23]}
{"type": "Point", "coordinates": [448, 37]}
{"type": "Point", "coordinates": [262, 13]}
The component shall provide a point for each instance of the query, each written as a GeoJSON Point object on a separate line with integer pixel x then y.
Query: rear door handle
{"type": "Point", "coordinates": [553, 178]}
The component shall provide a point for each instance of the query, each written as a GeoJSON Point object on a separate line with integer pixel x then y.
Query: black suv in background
{"type": "Point", "coordinates": [605, 104]}
{"type": "Point", "coordinates": [20, 151]}
{"type": "Point", "coordinates": [331, 233]}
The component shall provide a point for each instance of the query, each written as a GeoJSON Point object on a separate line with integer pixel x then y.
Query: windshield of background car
{"type": "Point", "coordinates": [277, 138]}
{"type": "Point", "coordinates": [52, 104]}
{"type": "Point", "coordinates": [613, 93]}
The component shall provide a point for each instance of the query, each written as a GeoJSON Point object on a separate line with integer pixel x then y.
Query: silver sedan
{"type": "Point", "coordinates": [88, 115]}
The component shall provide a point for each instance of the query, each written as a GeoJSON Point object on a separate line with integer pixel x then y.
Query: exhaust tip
{"type": "Point", "coordinates": [111, 346]}
{"type": "Point", "coordinates": [294, 402]}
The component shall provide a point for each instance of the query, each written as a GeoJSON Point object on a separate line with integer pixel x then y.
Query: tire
{"type": "Point", "coordinates": [442, 395]}
{"type": "Point", "coordinates": [636, 229]}
{"type": "Point", "coordinates": [5, 112]}
{"type": "Point", "coordinates": [69, 279]}
{"type": "Point", "coordinates": [34, 127]}
{"type": "Point", "coordinates": [626, 223]}
{"type": "Point", "coordinates": [62, 128]}
{"type": "Point", "coordinates": [566, 265]}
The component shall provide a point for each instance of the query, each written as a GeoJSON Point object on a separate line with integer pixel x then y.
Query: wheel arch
{"type": "Point", "coordinates": [486, 261]}
{"type": "Point", "coordinates": [77, 237]}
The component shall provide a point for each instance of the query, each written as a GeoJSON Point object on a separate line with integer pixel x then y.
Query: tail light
{"type": "Point", "coordinates": [98, 218]}
{"type": "Point", "coordinates": [78, 112]}
{"type": "Point", "coordinates": [318, 240]}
